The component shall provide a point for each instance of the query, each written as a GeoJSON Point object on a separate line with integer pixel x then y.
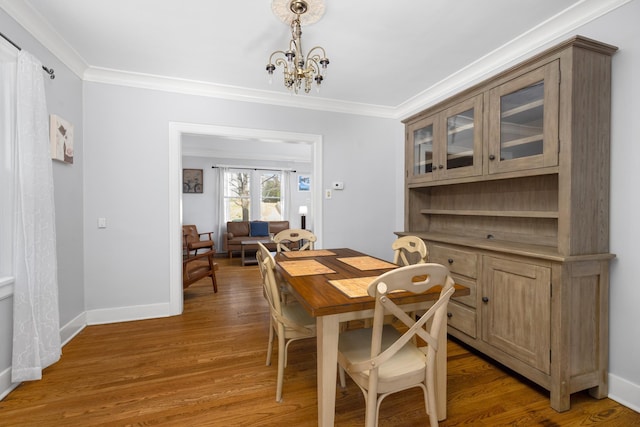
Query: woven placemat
{"type": "Point", "coordinates": [306, 254]}
{"type": "Point", "coordinates": [367, 263]}
{"type": "Point", "coordinates": [353, 288]}
{"type": "Point", "coordinates": [305, 267]}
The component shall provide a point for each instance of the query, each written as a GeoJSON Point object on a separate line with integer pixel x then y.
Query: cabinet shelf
{"type": "Point", "coordinates": [522, 108]}
{"type": "Point", "coordinates": [476, 212]}
{"type": "Point", "coordinates": [521, 141]}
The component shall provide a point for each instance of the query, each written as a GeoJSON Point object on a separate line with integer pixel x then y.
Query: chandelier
{"type": "Point", "coordinates": [300, 70]}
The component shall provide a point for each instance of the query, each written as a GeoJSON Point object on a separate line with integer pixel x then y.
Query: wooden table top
{"type": "Point", "coordinates": [321, 298]}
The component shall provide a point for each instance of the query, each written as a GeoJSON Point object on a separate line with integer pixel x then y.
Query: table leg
{"type": "Point", "coordinates": [327, 338]}
{"type": "Point", "coordinates": [441, 375]}
{"type": "Point", "coordinates": [242, 254]}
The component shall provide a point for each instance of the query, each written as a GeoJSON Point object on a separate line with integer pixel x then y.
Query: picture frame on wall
{"type": "Point", "coordinates": [304, 183]}
{"type": "Point", "coordinates": [192, 181]}
{"type": "Point", "coordinates": [61, 139]}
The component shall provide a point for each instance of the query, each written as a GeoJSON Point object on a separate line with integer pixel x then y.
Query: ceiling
{"type": "Point", "coordinates": [387, 57]}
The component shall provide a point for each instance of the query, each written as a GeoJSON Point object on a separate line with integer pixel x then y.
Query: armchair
{"type": "Point", "coordinates": [196, 267]}
{"type": "Point", "coordinates": [192, 240]}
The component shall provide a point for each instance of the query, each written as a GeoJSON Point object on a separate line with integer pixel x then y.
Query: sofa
{"type": "Point", "coordinates": [238, 231]}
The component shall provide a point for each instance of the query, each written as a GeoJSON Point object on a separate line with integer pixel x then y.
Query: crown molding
{"type": "Point", "coordinates": [233, 93]}
{"type": "Point", "coordinates": [525, 45]}
{"type": "Point", "coordinates": [41, 30]}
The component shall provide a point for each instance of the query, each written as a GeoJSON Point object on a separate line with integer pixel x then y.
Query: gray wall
{"type": "Point", "coordinates": [126, 181]}
{"type": "Point", "coordinates": [620, 28]}
{"type": "Point", "coordinates": [125, 178]}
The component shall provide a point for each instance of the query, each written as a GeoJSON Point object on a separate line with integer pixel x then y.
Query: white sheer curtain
{"type": "Point", "coordinates": [220, 211]}
{"type": "Point", "coordinates": [36, 324]}
{"type": "Point", "coordinates": [286, 196]}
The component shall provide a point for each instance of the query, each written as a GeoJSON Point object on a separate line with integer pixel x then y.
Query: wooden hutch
{"type": "Point", "coordinates": [508, 184]}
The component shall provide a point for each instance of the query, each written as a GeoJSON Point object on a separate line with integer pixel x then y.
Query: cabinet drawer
{"type": "Point", "coordinates": [462, 318]}
{"type": "Point", "coordinates": [470, 299]}
{"type": "Point", "coordinates": [458, 261]}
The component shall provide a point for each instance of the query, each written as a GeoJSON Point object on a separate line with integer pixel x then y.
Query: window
{"type": "Point", "coordinates": [7, 116]}
{"type": "Point", "coordinates": [243, 204]}
{"type": "Point", "coordinates": [270, 200]}
{"type": "Point", "coordinates": [237, 196]}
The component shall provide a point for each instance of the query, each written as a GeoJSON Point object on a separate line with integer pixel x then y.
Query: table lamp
{"type": "Point", "coordinates": [303, 217]}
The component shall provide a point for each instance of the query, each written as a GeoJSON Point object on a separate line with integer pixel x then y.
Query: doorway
{"type": "Point", "coordinates": [176, 132]}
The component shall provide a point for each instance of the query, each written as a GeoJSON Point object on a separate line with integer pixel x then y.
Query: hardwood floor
{"type": "Point", "coordinates": [207, 368]}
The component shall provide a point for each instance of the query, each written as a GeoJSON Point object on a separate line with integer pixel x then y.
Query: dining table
{"type": "Point", "coordinates": [331, 284]}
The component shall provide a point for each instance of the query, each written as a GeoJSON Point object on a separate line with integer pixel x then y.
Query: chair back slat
{"type": "Point", "coordinates": [410, 250]}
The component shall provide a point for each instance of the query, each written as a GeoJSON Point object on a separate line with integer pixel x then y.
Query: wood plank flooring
{"type": "Point", "coordinates": [207, 368]}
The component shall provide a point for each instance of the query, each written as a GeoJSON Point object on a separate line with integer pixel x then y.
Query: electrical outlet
{"type": "Point", "coordinates": [327, 194]}
{"type": "Point", "coordinates": [102, 222]}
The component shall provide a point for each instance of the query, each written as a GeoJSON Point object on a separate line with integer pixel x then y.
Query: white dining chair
{"type": "Point", "coordinates": [382, 359]}
{"type": "Point", "coordinates": [289, 322]}
{"type": "Point", "coordinates": [409, 250]}
{"type": "Point", "coordinates": [292, 235]}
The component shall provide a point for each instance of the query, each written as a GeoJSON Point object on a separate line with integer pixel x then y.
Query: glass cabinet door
{"type": "Point", "coordinates": [462, 155]}
{"type": "Point", "coordinates": [526, 110]}
{"type": "Point", "coordinates": [421, 150]}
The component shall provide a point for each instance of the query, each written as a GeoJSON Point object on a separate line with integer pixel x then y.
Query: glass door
{"type": "Point", "coordinates": [463, 151]}
{"type": "Point", "coordinates": [421, 137]}
{"type": "Point", "coordinates": [526, 110]}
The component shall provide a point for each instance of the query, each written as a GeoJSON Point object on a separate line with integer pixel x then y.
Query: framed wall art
{"type": "Point", "coordinates": [61, 139]}
{"type": "Point", "coordinates": [304, 183]}
{"type": "Point", "coordinates": [192, 181]}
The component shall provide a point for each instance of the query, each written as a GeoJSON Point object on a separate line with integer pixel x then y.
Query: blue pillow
{"type": "Point", "coordinates": [259, 229]}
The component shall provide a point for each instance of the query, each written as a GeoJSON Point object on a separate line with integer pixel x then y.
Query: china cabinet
{"type": "Point", "coordinates": [508, 184]}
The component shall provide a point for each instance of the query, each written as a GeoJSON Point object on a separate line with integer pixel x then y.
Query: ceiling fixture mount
{"type": "Point", "coordinates": [299, 70]}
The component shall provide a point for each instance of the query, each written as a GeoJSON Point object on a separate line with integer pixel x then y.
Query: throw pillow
{"type": "Point", "coordinates": [259, 228]}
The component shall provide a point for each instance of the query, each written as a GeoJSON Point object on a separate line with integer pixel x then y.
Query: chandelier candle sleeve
{"type": "Point", "coordinates": [299, 69]}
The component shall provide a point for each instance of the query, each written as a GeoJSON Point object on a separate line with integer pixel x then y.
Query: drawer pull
{"type": "Point", "coordinates": [450, 261]}
{"type": "Point", "coordinates": [485, 299]}
{"type": "Point", "coordinates": [492, 157]}
{"type": "Point", "coordinates": [449, 314]}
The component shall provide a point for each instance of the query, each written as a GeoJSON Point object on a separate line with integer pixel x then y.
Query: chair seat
{"type": "Point", "coordinates": [405, 369]}
{"type": "Point", "coordinates": [296, 313]}
{"type": "Point", "coordinates": [198, 267]}
{"type": "Point", "coordinates": [201, 244]}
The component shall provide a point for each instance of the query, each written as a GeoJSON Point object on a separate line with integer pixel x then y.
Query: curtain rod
{"type": "Point", "coordinates": [47, 70]}
{"type": "Point", "coordinates": [253, 168]}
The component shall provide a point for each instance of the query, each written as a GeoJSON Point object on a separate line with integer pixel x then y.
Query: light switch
{"type": "Point", "coordinates": [102, 222]}
{"type": "Point", "coordinates": [327, 194]}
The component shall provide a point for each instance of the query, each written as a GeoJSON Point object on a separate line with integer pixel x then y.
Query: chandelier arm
{"type": "Point", "coordinates": [275, 53]}
{"type": "Point", "coordinates": [324, 54]}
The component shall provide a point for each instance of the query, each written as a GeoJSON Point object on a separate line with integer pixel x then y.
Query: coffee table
{"type": "Point", "coordinates": [246, 245]}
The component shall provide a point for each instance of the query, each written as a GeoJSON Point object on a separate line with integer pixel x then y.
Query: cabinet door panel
{"type": "Point", "coordinates": [523, 117]}
{"type": "Point", "coordinates": [516, 310]}
{"type": "Point", "coordinates": [462, 154]}
{"type": "Point", "coordinates": [421, 137]}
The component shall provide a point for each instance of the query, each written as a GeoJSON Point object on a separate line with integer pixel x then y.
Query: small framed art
{"type": "Point", "coordinates": [304, 183]}
{"type": "Point", "coordinates": [192, 181]}
{"type": "Point", "coordinates": [61, 139]}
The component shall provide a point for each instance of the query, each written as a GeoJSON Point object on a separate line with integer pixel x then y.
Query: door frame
{"type": "Point", "coordinates": [176, 130]}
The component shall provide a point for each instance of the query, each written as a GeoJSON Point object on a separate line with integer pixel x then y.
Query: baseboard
{"type": "Point", "coordinates": [624, 392]}
{"type": "Point", "coordinates": [73, 328]}
{"type": "Point", "coordinates": [127, 314]}
{"type": "Point", "coordinates": [6, 386]}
